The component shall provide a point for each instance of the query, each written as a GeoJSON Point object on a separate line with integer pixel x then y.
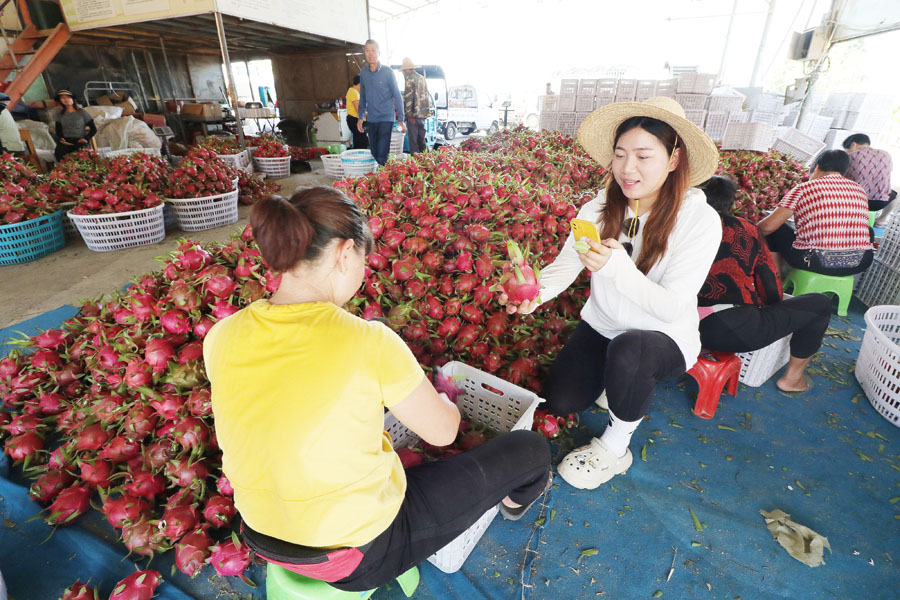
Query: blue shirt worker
{"type": "Point", "coordinates": [380, 102]}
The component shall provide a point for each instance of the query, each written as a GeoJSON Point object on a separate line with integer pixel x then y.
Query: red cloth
{"type": "Point", "coordinates": [830, 213]}
{"type": "Point", "coordinates": [871, 168]}
{"type": "Point", "coordinates": [743, 272]}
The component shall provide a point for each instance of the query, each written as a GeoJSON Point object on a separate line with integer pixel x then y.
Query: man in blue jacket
{"type": "Point", "coordinates": [380, 96]}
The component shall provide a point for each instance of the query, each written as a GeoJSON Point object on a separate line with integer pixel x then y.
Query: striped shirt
{"type": "Point", "coordinates": [830, 213]}
{"type": "Point", "coordinates": [871, 168]}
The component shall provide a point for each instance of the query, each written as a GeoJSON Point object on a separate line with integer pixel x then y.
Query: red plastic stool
{"type": "Point", "coordinates": [712, 372]}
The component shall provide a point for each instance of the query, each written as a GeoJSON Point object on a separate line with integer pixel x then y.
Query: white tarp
{"type": "Point", "coordinates": [858, 18]}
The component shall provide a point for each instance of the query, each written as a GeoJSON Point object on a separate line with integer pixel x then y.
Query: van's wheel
{"type": "Point", "coordinates": [449, 131]}
{"type": "Point", "coordinates": [467, 131]}
{"type": "Point", "coordinates": [532, 121]}
{"type": "Point", "coordinates": [494, 128]}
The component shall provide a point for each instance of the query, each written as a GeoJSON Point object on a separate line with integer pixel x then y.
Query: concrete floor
{"type": "Point", "coordinates": [76, 273]}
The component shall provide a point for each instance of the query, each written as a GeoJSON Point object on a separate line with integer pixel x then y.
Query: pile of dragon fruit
{"type": "Point", "coordinates": [114, 406]}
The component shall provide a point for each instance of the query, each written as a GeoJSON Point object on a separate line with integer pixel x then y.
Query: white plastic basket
{"type": "Point", "coordinates": [206, 212]}
{"type": "Point", "coordinates": [397, 139]}
{"type": "Point", "coordinates": [801, 154]}
{"type": "Point", "coordinates": [568, 87]}
{"type": "Point", "coordinates": [603, 100]}
{"type": "Point", "coordinates": [69, 229]}
{"type": "Point", "coordinates": [147, 151]}
{"type": "Point", "coordinates": [241, 160]}
{"type": "Point", "coordinates": [566, 103]}
{"type": "Point", "coordinates": [715, 124]}
{"type": "Point", "coordinates": [807, 144]}
{"type": "Point", "coordinates": [888, 252]}
{"type": "Point", "coordinates": [549, 121]}
{"type": "Point", "coordinates": [757, 367]}
{"type": "Point", "coordinates": [584, 103]}
{"type": "Point", "coordinates": [357, 162]}
{"type": "Point", "coordinates": [276, 167]}
{"type": "Point", "coordinates": [697, 117]}
{"type": "Point", "coordinates": [118, 231]}
{"type": "Point", "coordinates": [725, 103]}
{"type": "Point", "coordinates": [587, 87]}
{"type": "Point", "coordinates": [878, 365]}
{"type": "Point", "coordinates": [549, 104]}
{"type": "Point", "coordinates": [333, 165]}
{"type": "Point", "coordinates": [879, 285]}
{"type": "Point", "coordinates": [747, 136]}
{"type": "Point", "coordinates": [486, 400]}
{"type": "Point", "coordinates": [691, 101]}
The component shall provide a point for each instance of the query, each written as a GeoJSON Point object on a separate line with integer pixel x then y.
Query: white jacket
{"type": "Point", "coordinates": [622, 298]}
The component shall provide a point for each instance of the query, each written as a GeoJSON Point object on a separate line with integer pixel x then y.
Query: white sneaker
{"type": "Point", "coordinates": [602, 402]}
{"type": "Point", "coordinates": [590, 466]}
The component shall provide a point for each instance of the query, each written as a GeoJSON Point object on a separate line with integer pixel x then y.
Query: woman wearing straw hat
{"type": "Point", "coordinates": [74, 126]}
{"type": "Point", "coordinates": [640, 324]}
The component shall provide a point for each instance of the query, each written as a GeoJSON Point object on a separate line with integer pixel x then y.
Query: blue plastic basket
{"type": "Point", "coordinates": [30, 240]}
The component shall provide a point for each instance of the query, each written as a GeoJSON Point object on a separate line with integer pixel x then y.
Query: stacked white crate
{"type": "Point", "coordinates": [579, 119]}
{"type": "Point", "coordinates": [667, 87]}
{"type": "Point", "coordinates": [695, 83]}
{"type": "Point", "coordinates": [765, 117]}
{"type": "Point", "coordinates": [566, 123]}
{"type": "Point", "coordinates": [796, 143]}
{"type": "Point", "coordinates": [626, 90]}
{"type": "Point", "coordinates": [605, 92]}
{"type": "Point", "coordinates": [646, 89]}
{"type": "Point", "coordinates": [815, 126]}
{"type": "Point", "coordinates": [567, 103]}
{"type": "Point", "coordinates": [748, 136]}
{"type": "Point", "coordinates": [584, 101]}
{"type": "Point", "coordinates": [568, 92]}
{"type": "Point", "coordinates": [549, 121]}
{"type": "Point", "coordinates": [858, 110]}
{"type": "Point", "coordinates": [834, 139]}
{"type": "Point", "coordinates": [568, 87]}
{"type": "Point", "coordinates": [549, 104]}
{"type": "Point", "coordinates": [715, 124]}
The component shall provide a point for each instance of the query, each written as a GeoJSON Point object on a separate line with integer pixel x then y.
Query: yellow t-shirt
{"type": "Point", "coordinates": [298, 395]}
{"type": "Point", "coordinates": [352, 94]}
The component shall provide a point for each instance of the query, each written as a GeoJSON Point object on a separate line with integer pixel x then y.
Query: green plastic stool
{"type": "Point", "coordinates": [282, 584]}
{"type": "Point", "coordinates": [872, 214]}
{"type": "Point", "coordinates": [807, 282]}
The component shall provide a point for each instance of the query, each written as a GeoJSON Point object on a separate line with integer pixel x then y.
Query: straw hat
{"type": "Point", "coordinates": [598, 131]}
{"type": "Point", "coordinates": [64, 93]}
{"type": "Point", "coordinates": [408, 64]}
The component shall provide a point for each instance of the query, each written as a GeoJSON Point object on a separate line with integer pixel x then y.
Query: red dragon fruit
{"type": "Point", "coordinates": [519, 280]}
{"type": "Point", "coordinates": [219, 510]}
{"type": "Point", "coordinates": [69, 504]}
{"type": "Point", "coordinates": [143, 537]}
{"type": "Point", "coordinates": [230, 557]}
{"type": "Point", "coordinates": [178, 520]}
{"type": "Point", "coordinates": [79, 591]}
{"type": "Point", "coordinates": [140, 585]}
{"type": "Point", "coordinates": [49, 485]}
{"type": "Point", "coordinates": [192, 552]}
{"type": "Point", "coordinates": [124, 509]}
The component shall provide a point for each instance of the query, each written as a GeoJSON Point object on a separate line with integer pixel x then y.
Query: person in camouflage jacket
{"type": "Point", "coordinates": [416, 105]}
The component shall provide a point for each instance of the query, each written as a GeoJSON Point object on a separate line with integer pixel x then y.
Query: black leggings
{"type": "Point", "coordinates": [782, 241]}
{"type": "Point", "coordinates": [748, 328]}
{"type": "Point", "coordinates": [627, 366]}
{"type": "Point", "coordinates": [445, 497]}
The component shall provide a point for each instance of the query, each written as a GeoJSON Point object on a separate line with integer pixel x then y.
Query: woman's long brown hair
{"type": "Point", "coordinates": [665, 211]}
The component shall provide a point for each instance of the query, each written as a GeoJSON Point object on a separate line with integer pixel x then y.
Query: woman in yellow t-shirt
{"type": "Point", "coordinates": [299, 388]}
{"type": "Point", "coordinates": [360, 141]}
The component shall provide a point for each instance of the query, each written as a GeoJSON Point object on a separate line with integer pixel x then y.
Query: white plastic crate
{"type": "Point", "coordinates": [486, 400]}
{"type": "Point", "coordinates": [765, 117]}
{"type": "Point", "coordinates": [725, 103]}
{"type": "Point", "coordinates": [566, 123]}
{"type": "Point", "coordinates": [275, 167]}
{"type": "Point", "coordinates": [579, 119]}
{"type": "Point", "coordinates": [879, 285]}
{"type": "Point", "coordinates": [878, 364]}
{"type": "Point", "coordinates": [333, 166]}
{"type": "Point", "coordinates": [805, 143]}
{"type": "Point", "coordinates": [568, 87]}
{"type": "Point", "coordinates": [759, 366]}
{"type": "Point", "coordinates": [647, 87]}
{"type": "Point", "coordinates": [357, 162]}
{"type": "Point", "coordinates": [205, 212]}
{"type": "Point", "coordinates": [716, 122]}
{"type": "Point", "coordinates": [118, 231]}
{"type": "Point", "coordinates": [124, 151]}
{"type": "Point", "coordinates": [397, 139]}
{"type": "Point", "coordinates": [603, 100]}
{"type": "Point", "coordinates": [738, 116]}
{"type": "Point", "coordinates": [241, 160]}
{"type": "Point", "coordinates": [549, 121]}
{"type": "Point", "coordinates": [801, 155]}
{"type": "Point", "coordinates": [667, 87]}
{"type": "Point", "coordinates": [769, 102]}
{"type": "Point", "coordinates": [697, 117]}
{"type": "Point", "coordinates": [695, 83]}
{"type": "Point", "coordinates": [69, 229]}
{"type": "Point", "coordinates": [584, 103]}
{"type": "Point", "coordinates": [549, 104]}
{"type": "Point", "coordinates": [587, 87]}
{"type": "Point", "coordinates": [566, 103]}
{"type": "Point", "coordinates": [691, 101]}
{"type": "Point", "coordinates": [866, 121]}
{"type": "Point", "coordinates": [888, 252]}
{"type": "Point", "coordinates": [606, 87]}
{"type": "Point", "coordinates": [747, 136]}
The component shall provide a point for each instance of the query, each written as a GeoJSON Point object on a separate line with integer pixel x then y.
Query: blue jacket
{"type": "Point", "coordinates": [379, 95]}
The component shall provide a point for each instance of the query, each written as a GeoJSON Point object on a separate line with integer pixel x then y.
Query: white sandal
{"type": "Point", "coordinates": [590, 466]}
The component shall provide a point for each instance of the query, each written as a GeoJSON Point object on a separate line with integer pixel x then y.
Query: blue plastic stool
{"type": "Point", "coordinates": [282, 584]}
{"type": "Point", "coordinates": [807, 282]}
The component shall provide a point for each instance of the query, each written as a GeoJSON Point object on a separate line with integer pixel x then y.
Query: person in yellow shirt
{"type": "Point", "coordinates": [299, 388]}
{"type": "Point", "coordinates": [360, 141]}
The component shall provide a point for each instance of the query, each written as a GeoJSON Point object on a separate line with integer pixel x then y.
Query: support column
{"type": "Point", "coordinates": [232, 93]}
